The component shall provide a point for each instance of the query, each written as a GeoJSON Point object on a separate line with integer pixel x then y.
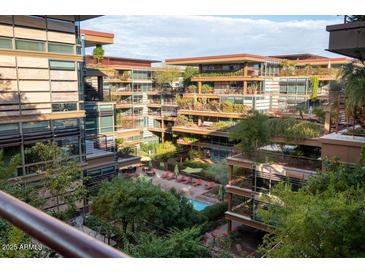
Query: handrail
{"type": "Point", "coordinates": [57, 235]}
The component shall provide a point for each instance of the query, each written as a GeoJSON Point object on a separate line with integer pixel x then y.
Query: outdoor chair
{"type": "Point", "coordinates": [180, 178]}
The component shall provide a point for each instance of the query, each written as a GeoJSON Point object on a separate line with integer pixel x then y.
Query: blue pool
{"type": "Point", "coordinates": [198, 205]}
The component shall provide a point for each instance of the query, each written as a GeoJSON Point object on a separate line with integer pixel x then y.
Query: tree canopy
{"type": "Point", "coordinates": [167, 75]}
{"type": "Point", "coordinates": [323, 219]}
{"type": "Point", "coordinates": [98, 53]}
{"type": "Point", "coordinates": [179, 244]}
{"type": "Point", "coordinates": [251, 132]}
{"type": "Point", "coordinates": [136, 203]}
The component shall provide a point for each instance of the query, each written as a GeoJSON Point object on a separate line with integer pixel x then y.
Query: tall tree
{"type": "Point", "coordinates": [62, 175]}
{"type": "Point", "coordinates": [323, 219]}
{"type": "Point", "coordinates": [167, 75]}
{"type": "Point", "coordinates": [188, 74]}
{"type": "Point", "coordinates": [98, 53]}
{"type": "Point", "coordinates": [251, 132]}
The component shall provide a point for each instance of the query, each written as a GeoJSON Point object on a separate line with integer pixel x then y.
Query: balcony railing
{"type": "Point", "coordinates": [283, 159]}
{"type": "Point", "coordinates": [57, 235]}
{"type": "Point", "coordinates": [310, 71]}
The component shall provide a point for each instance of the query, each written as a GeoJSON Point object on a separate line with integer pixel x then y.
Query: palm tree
{"type": "Point", "coordinates": [354, 77]}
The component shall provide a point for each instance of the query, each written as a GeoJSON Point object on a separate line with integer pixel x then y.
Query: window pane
{"type": "Point", "coordinates": [62, 65]}
{"type": "Point", "coordinates": [9, 129]}
{"type": "Point", "coordinates": [5, 43]}
{"type": "Point", "coordinates": [60, 48]}
{"type": "Point", "coordinates": [66, 123]}
{"type": "Point", "coordinates": [30, 45]}
{"type": "Point", "coordinates": [64, 107]}
{"type": "Point", "coordinates": [29, 127]}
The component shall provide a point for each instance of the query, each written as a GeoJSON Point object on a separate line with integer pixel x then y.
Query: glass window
{"type": "Point", "coordinates": [5, 43]}
{"type": "Point", "coordinates": [65, 123]}
{"type": "Point", "coordinates": [64, 107]}
{"type": "Point", "coordinates": [29, 127]}
{"type": "Point", "coordinates": [61, 65]}
{"type": "Point", "coordinates": [108, 170]}
{"type": "Point", "coordinates": [93, 173]}
{"type": "Point", "coordinates": [105, 107]}
{"type": "Point", "coordinates": [69, 145]}
{"type": "Point", "coordinates": [9, 129]}
{"type": "Point", "coordinates": [106, 124]}
{"type": "Point", "coordinates": [61, 48]}
{"type": "Point", "coordinates": [30, 45]}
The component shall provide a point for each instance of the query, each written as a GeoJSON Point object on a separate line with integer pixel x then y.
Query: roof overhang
{"type": "Point", "coordinates": [93, 38]}
{"type": "Point", "coordinates": [219, 59]}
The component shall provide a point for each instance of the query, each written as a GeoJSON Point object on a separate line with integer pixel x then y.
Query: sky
{"type": "Point", "coordinates": [163, 37]}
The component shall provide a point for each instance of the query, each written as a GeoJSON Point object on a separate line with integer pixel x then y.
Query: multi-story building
{"type": "Point", "coordinates": [122, 85]}
{"type": "Point", "coordinates": [227, 86]}
{"type": "Point", "coordinates": [41, 96]}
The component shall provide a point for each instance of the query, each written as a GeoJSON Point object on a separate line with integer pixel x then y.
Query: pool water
{"type": "Point", "coordinates": [198, 205]}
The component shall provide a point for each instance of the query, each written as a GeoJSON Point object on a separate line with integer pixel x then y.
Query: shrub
{"type": "Point", "coordinates": [215, 211]}
{"type": "Point", "coordinates": [227, 106]}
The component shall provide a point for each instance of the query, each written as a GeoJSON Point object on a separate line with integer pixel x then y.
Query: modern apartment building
{"type": "Point", "coordinates": [41, 96]}
{"type": "Point", "coordinates": [227, 86]}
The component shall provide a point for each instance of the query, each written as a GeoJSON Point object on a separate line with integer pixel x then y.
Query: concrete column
{"type": "Point", "coordinates": [245, 87]}
{"type": "Point", "coordinates": [199, 87]}
{"type": "Point", "coordinates": [162, 130]}
{"type": "Point", "coordinates": [327, 122]}
{"type": "Point", "coordinates": [230, 173]}
{"type": "Point", "coordinates": [245, 69]}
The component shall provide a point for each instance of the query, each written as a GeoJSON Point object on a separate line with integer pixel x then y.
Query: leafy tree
{"type": "Point", "coordinates": [179, 244]}
{"type": "Point", "coordinates": [354, 78]}
{"type": "Point", "coordinates": [9, 234]}
{"type": "Point", "coordinates": [98, 53]}
{"type": "Point", "coordinates": [251, 132]}
{"type": "Point", "coordinates": [188, 74]}
{"type": "Point", "coordinates": [323, 219]}
{"type": "Point", "coordinates": [167, 75]}
{"type": "Point", "coordinates": [133, 203]}
{"type": "Point", "coordinates": [61, 174]}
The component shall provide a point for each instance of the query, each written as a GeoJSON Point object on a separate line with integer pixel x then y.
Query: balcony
{"type": "Point", "coordinates": [348, 39]}
{"type": "Point", "coordinates": [57, 235]}
{"type": "Point", "coordinates": [277, 166]}
{"type": "Point", "coordinates": [206, 128]}
{"type": "Point", "coordinates": [321, 73]}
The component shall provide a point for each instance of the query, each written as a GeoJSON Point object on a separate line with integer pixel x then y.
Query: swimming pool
{"type": "Point", "coordinates": [198, 205]}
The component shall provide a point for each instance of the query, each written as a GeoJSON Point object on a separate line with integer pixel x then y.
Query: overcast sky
{"type": "Point", "coordinates": [162, 37]}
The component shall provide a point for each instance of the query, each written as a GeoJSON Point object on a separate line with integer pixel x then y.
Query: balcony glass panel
{"type": "Point", "coordinates": [65, 124]}
{"type": "Point", "coordinates": [42, 126]}
{"type": "Point", "coordinates": [9, 129]}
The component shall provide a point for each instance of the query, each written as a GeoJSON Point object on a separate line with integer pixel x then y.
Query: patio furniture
{"type": "Point", "coordinates": [170, 176]}
{"type": "Point", "coordinates": [209, 185]}
{"type": "Point", "coordinates": [198, 182]}
{"type": "Point", "coordinates": [180, 178]}
{"type": "Point", "coordinates": [164, 174]}
{"type": "Point", "coordinates": [189, 181]}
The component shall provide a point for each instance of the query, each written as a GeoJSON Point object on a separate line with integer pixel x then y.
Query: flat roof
{"type": "Point", "coordinates": [244, 57]}
{"type": "Point", "coordinates": [227, 58]}
{"type": "Point", "coordinates": [97, 33]}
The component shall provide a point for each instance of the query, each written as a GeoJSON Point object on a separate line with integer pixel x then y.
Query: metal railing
{"type": "Point", "coordinates": [57, 235]}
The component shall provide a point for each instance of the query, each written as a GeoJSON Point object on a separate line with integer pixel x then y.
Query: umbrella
{"type": "Point", "coordinates": [176, 170]}
{"type": "Point", "coordinates": [145, 159]}
{"type": "Point", "coordinates": [192, 170]}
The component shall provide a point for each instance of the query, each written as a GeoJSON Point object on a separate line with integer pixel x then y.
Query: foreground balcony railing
{"type": "Point", "coordinates": [57, 235]}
